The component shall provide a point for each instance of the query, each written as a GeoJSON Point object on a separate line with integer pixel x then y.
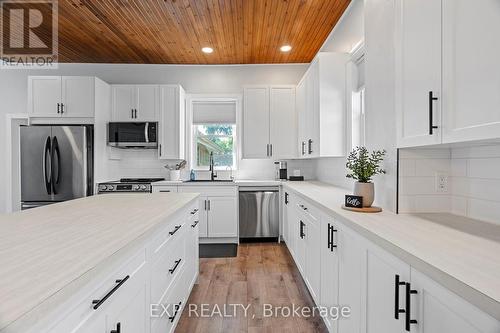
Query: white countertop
{"type": "Point", "coordinates": [463, 259]}
{"type": "Point", "coordinates": [236, 182]}
{"type": "Point", "coordinates": [45, 249]}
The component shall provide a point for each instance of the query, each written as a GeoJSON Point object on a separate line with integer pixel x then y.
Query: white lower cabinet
{"type": "Point", "coordinates": [385, 291]}
{"type": "Point", "coordinates": [438, 310]}
{"type": "Point", "coordinates": [218, 215]}
{"type": "Point", "coordinates": [146, 293]}
{"type": "Point", "coordinates": [384, 294]}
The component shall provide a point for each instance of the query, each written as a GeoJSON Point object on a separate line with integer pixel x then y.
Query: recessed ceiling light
{"type": "Point", "coordinates": [286, 48]}
{"type": "Point", "coordinates": [207, 50]}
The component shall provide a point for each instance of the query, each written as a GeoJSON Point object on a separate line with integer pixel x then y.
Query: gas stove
{"type": "Point", "coordinates": [128, 185]}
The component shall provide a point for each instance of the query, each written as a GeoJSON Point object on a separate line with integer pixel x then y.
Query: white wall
{"type": "Point", "coordinates": [195, 79]}
{"type": "Point", "coordinates": [473, 181]}
{"type": "Point", "coordinates": [371, 20]}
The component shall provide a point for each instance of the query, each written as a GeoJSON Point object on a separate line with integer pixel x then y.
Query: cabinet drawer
{"type": "Point", "coordinates": [167, 236]}
{"type": "Point", "coordinates": [306, 208]}
{"type": "Point", "coordinates": [166, 188]}
{"type": "Point", "coordinates": [167, 267]}
{"type": "Point", "coordinates": [173, 302]}
{"type": "Point", "coordinates": [213, 190]}
{"type": "Point", "coordinates": [84, 313]}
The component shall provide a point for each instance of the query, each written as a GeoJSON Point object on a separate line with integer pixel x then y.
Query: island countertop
{"type": "Point", "coordinates": [43, 250]}
{"type": "Point", "coordinates": [461, 255]}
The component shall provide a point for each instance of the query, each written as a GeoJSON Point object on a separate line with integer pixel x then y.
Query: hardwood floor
{"type": "Point", "coordinates": [260, 274]}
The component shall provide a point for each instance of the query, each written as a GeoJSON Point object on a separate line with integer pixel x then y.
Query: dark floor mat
{"type": "Point", "coordinates": [218, 250]}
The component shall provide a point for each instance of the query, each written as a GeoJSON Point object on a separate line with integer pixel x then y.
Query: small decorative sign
{"type": "Point", "coordinates": [353, 201]}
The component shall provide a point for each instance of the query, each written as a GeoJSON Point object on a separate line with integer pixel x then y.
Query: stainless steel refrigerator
{"type": "Point", "coordinates": [56, 164]}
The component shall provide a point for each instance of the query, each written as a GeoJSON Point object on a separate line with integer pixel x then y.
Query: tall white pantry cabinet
{"type": "Point", "coordinates": [447, 71]}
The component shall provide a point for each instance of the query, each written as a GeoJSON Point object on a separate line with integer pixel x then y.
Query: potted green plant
{"type": "Point", "coordinates": [363, 166]}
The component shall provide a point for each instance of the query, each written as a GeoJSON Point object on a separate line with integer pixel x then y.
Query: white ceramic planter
{"type": "Point", "coordinates": [365, 190]}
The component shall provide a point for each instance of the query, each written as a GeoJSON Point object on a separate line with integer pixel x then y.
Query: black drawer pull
{"type": "Point", "coordinates": [194, 211]}
{"type": "Point", "coordinates": [177, 227]}
{"type": "Point", "coordinates": [408, 320]}
{"type": "Point", "coordinates": [302, 234]}
{"type": "Point", "coordinates": [397, 284]}
{"type": "Point", "coordinates": [118, 328]}
{"type": "Point", "coordinates": [164, 191]}
{"type": "Point", "coordinates": [195, 224]}
{"type": "Point", "coordinates": [98, 302]}
{"type": "Point", "coordinates": [177, 307]}
{"type": "Point", "coordinates": [177, 262]}
{"type": "Point", "coordinates": [286, 198]}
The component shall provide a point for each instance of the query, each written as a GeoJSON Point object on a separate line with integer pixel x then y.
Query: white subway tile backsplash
{"type": "Point", "coordinates": [484, 210]}
{"type": "Point", "coordinates": [458, 167]}
{"type": "Point", "coordinates": [429, 167]}
{"type": "Point", "coordinates": [484, 168]}
{"type": "Point", "coordinates": [473, 182]}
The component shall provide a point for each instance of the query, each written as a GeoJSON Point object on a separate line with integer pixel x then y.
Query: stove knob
{"type": "Point", "coordinates": [110, 188]}
{"type": "Point", "coordinates": [135, 187]}
{"type": "Point", "coordinates": [102, 187]}
{"type": "Point", "coordinates": [143, 187]}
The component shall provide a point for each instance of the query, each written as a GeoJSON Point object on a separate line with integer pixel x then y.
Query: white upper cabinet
{"type": "Point", "coordinates": [135, 102]}
{"type": "Point", "coordinates": [172, 122]}
{"type": "Point", "coordinates": [61, 96]}
{"type": "Point", "coordinates": [447, 72]}
{"type": "Point", "coordinates": [269, 122]}
{"type": "Point", "coordinates": [471, 70]}
{"type": "Point", "coordinates": [256, 122]}
{"type": "Point", "coordinates": [321, 97]}
{"type": "Point", "coordinates": [418, 72]}
{"type": "Point", "coordinates": [283, 122]}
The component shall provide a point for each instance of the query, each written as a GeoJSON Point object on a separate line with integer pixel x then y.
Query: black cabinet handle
{"type": "Point", "coordinates": [177, 307]}
{"type": "Point", "coordinates": [209, 205]}
{"type": "Point", "coordinates": [309, 144]}
{"type": "Point", "coordinates": [397, 284]}
{"type": "Point", "coordinates": [302, 234]}
{"type": "Point", "coordinates": [164, 191]}
{"type": "Point", "coordinates": [303, 147]}
{"type": "Point", "coordinates": [270, 149]}
{"type": "Point", "coordinates": [331, 231]}
{"type": "Point", "coordinates": [195, 224]}
{"type": "Point", "coordinates": [177, 262]}
{"type": "Point", "coordinates": [431, 113]}
{"type": "Point", "coordinates": [194, 211]}
{"type": "Point", "coordinates": [286, 198]}
{"type": "Point", "coordinates": [98, 302]}
{"type": "Point", "coordinates": [177, 227]}
{"type": "Point", "coordinates": [408, 320]}
{"type": "Point", "coordinates": [135, 115]}
{"type": "Point", "coordinates": [118, 328]}
{"type": "Point", "coordinates": [62, 108]}
{"type": "Point", "coordinates": [58, 107]}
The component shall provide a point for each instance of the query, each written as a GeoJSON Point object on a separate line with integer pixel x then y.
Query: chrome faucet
{"type": "Point", "coordinates": [213, 174]}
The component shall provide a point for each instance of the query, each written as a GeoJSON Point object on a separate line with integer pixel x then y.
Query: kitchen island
{"type": "Point", "coordinates": [74, 266]}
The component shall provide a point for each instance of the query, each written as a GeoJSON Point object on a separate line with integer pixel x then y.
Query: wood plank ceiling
{"type": "Point", "coordinates": [174, 31]}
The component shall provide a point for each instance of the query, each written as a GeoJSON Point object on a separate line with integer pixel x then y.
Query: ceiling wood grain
{"type": "Point", "coordinates": [174, 31]}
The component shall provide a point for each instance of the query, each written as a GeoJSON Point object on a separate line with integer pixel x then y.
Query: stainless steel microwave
{"type": "Point", "coordinates": [133, 135]}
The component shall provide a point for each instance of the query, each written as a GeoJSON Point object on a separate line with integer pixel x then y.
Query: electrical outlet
{"type": "Point", "coordinates": [441, 183]}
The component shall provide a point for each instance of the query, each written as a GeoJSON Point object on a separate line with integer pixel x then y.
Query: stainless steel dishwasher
{"type": "Point", "coordinates": [259, 214]}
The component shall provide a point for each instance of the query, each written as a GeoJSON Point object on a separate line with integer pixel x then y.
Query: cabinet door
{"type": "Point", "coordinates": [132, 315]}
{"type": "Point", "coordinates": [203, 217]}
{"type": "Point", "coordinates": [123, 102]}
{"type": "Point", "coordinates": [301, 117]}
{"type": "Point", "coordinates": [381, 271]}
{"type": "Point", "coordinates": [313, 258]}
{"type": "Point", "coordinates": [313, 111]}
{"type": "Point", "coordinates": [418, 71]}
{"type": "Point", "coordinates": [471, 73]}
{"type": "Point", "coordinates": [438, 310]}
{"type": "Point", "coordinates": [172, 122]}
{"type": "Point", "coordinates": [44, 96]}
{"type": "Point", "coordinates": [329, 268]}
{"type": "Point", "coordinates": [192, 251]}
{"type": "Point", "coordinates": [300, 246]}
{"type": "Point", "coordinates": [283, 128]}
{"type": "Point", "coordinates": [222, 217]}
{"type": "Point", "coordinates": [78, 96]}
{"type": "Point", "coordinates": [284, 229]}
{"type": "Point", "coordinates": [351, 261]}
{"type": "Point", "coordinates": [256, 122]}
{"type": "Point", "coordinates": [147, 102]}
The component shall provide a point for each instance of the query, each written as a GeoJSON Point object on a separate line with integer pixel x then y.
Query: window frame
{"type": "Point", "coordinates": [194, 141]}
{"type": "Point", "coordinates": [190, 128]}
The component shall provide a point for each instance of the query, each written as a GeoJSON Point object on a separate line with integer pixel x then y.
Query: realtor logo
{"type": "Point", "coordinates": [29, 34]}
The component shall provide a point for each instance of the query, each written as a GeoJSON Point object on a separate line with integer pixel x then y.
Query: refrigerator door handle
{"type": "Point", "coordinates": [55, 152]}
{"type": "Point", "coordinates": [47, 178]}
